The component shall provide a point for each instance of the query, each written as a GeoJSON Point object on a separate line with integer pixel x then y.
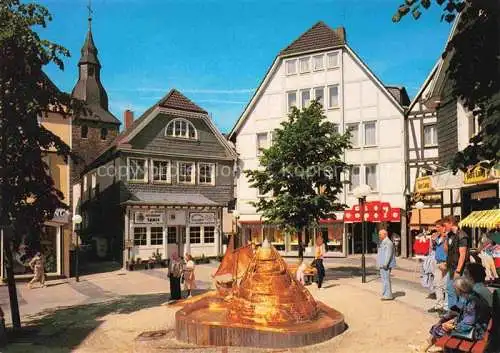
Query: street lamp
{"type": "Point", "coordinates": [236, 215]}
{"type": "Point", "coordinates": [419, 206]}
{"type": "Point", "coordinates": [77, 219]}
{"type": "Point", "coordinates": [360, 192]}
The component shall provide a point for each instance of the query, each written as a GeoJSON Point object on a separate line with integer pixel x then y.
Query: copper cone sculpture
{"type": "Point", "coordinates": [268, 308]}
{"type": "Point", "coordinates": [269, 295]}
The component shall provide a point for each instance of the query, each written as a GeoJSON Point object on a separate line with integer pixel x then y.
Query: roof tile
{"type": "Point", "coordinates": [317, 37]}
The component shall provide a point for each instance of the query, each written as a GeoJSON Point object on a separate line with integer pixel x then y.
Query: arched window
{"type": "Point", "coordinates": [181, 128]}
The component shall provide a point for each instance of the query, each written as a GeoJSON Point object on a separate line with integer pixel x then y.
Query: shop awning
{"type": "Point", "coordinates": [482, 219]}
{"type": "Point", "coordinates": [428, 216]}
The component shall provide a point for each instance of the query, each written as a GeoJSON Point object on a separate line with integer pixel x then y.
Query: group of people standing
{"type": "Point", "coordinates": [462, 300]}
{"type": "Point", "coordinates": [180, 271]}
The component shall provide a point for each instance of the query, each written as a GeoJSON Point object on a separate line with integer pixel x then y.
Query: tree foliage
{"type": "Point", "coordinates": [474, 69]}
{"type": "Point", "coordinates": [301, 171]}
{"type": "Point", "coordinates": [28, 194]}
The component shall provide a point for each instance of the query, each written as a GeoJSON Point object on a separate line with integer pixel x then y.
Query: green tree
{"type": "Point", "coordinates": [301, 171]}
{"type": "Point", "coordinates": [28, 196]}
{"type": "Point", "coordinates": [474, 68]}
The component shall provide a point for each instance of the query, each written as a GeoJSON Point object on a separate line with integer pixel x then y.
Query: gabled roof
{"type": "Point", "coordinates": [438, 73]}
{"type": "Point", "coordinates": [317, 37]}
{"type": "Point", "coordinates": [176, 100]}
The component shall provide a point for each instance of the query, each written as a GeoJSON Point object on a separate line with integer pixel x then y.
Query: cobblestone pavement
{"type": "Point", "coordinates": [108, 312]}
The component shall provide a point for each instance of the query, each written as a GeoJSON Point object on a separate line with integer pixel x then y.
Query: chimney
{"type": "Point", "coordinates": [341, 33]}
{"type": "Point", "coordinates": [128, 117]}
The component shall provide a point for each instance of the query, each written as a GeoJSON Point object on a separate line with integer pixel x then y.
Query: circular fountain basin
{"type": "Point", "coordinates": [204, 321]}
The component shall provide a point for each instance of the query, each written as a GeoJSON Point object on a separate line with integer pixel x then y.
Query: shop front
{"type": "Point", "coordinates": [163, 230]}
{"type": "Point", "coordinates": [52, 242]}
{"type": "Point", "coordinates": [377, 215]}
{"type": "Point", "coordinates": [480, 193]}
{"type": "Point", "coordinates": [287, 244]}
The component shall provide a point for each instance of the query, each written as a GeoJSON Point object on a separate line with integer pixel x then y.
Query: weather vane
{"type": "Point", "coordinates": [89, 7]}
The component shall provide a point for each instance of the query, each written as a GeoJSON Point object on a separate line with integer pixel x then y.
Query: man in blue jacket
{"type": "Point", "coordinates": [386, 261]}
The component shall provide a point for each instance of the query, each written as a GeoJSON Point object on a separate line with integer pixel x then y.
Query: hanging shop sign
{"type": "Point", "coordinates": [374, 211]}
{"type": "Point", "coordinates": [202, 218]}
{"type": "Point", "coordinates": [60, 216]}
{"type": "Point", "coordinates": [495, 171]}
{"type": "Point", "coordinates": [476, 174]}
{"type": "Point", "coordinates": [141, 217]}
{"type": "Point", "coordinates": [431, 198]}
{"type": "Point", "coordinates": [423, 184]}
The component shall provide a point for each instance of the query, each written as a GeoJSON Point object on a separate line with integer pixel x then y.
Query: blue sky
{"type": "Point", "coordinates": [217, 51]}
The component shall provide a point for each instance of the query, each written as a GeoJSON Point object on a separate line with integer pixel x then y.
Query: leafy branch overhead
{"type": "Point", "coordinates": [473, 57]}
{"type": "Point", "coordinates": [301, 170]}
{"type": "Point", "coordinates": [28, 194]}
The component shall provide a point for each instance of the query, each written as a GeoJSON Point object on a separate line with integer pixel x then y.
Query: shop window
{"type": "Point", "coordinates": [195, 235]}
{"type": "Point", "coordinates": [156, 235]}
{"type": "Point", "coordinates": [209, 235]}
{"type": "Point", "coordinates": [172, 235]}
{"type": "Point", "coordinates": [140, 237]}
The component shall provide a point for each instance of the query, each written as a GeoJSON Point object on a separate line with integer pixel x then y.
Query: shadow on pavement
{"type": "Point", "coordinates": [62, 329]}
{"type": "Point", "coordinates": [398, 294]}
{"type": "Point", "coordinates": [347, 272]}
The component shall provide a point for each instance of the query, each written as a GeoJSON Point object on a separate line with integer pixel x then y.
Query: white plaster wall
{"type": "Point", "coordinates": [362, 99]}
{"type": "Point", "coordinates": [462, 126]}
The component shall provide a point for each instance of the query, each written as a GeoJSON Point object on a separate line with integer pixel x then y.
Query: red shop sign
{"type": "Point", "coordinates": [374, 211]}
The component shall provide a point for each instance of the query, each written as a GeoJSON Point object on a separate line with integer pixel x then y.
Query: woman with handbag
{"type": "Point", "coordinates": [318, 259]}
{"type": "Point", "coordinates": [470, 322]}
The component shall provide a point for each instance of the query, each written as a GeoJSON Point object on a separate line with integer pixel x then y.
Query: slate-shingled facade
{"type": "Point", "coordinates": [163, 185]}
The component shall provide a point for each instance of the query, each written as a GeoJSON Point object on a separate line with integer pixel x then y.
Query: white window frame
{"type": "Point", "coordinates": [358, 142]}
{"type": "Point", "coordinates": [203, 234]}
{"type": "Point", "coordinates": [365, 167]}
{"type": "Point", "coordinates": [305, 59]}
{"type": "Point", "coordinates": [322, 62]}
{"type": "Point", "coordinates": [330, 105]}
{"type": "Point", "coordinates": [302, 91]}
{"type": "Point", "coordinates": [288, 107]}
{"type": "Point", "coordinates": [212, 177]}
{"type": "Point", "coordinates": [294, 64]}
{"type": "Point", "coordinates": [150, 237]}
{"type": "Point", "coordinates": [433, 143]}
{"type": "Point", "coordinates": [169, 171]}
{"type": "Point", "coordinates": [146, 174]}
{"type": "Point", "coordinates": [188, 126]}
{"type": "Point", "coordinates": [133, 235]}
{"type": "Point", "coordinates": [193, 173]}
{"type": "Point", "coordinates": [338, 53]}
{"type": "Point", "coordinates": [374, 122]}
{"type": "Point", "coordinates": [259, 151]}
{"type": "Point", "coordinates": [352, 187]}
{"type": "Point", "coordinates": [316, 97]}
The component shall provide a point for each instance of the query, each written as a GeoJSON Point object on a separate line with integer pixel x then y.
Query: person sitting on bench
{"type": "Point", "coordinates": [471, 321]}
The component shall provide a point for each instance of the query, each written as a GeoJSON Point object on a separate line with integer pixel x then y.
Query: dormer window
{"type": "Point", "coordinates": [181, 128]}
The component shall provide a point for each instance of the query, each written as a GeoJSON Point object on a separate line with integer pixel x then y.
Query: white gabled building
{"type": "Point", "coordinates": [321, 65]}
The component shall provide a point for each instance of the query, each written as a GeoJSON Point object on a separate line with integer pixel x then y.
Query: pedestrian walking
{"type": "Point", "coordinates": [37, 265]}
{"type": "Point", "coordinates": [439, 240]}
{"type": "Point", "coordinates": [386, 261]}
{"type": "Point", "coordinates": [189, 278]}
{"type": "Point", "coordinates": [175, 270]}
{"type": "Point", "coordinates": [457, 248]}
{"type": "Point", "coordinates": [319, 253]}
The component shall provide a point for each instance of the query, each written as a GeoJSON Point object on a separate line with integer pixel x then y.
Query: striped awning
{"type": "Point", "coordinates": [481, 219]}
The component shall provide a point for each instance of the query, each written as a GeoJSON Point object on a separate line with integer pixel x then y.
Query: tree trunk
{"type": "Point", "coordinates": [299, 238]}
{"type": "Point", "coordinates": [11, 282]}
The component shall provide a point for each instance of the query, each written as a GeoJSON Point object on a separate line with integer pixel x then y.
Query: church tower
{"type": "Point", "coordinates": [96, 127]}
